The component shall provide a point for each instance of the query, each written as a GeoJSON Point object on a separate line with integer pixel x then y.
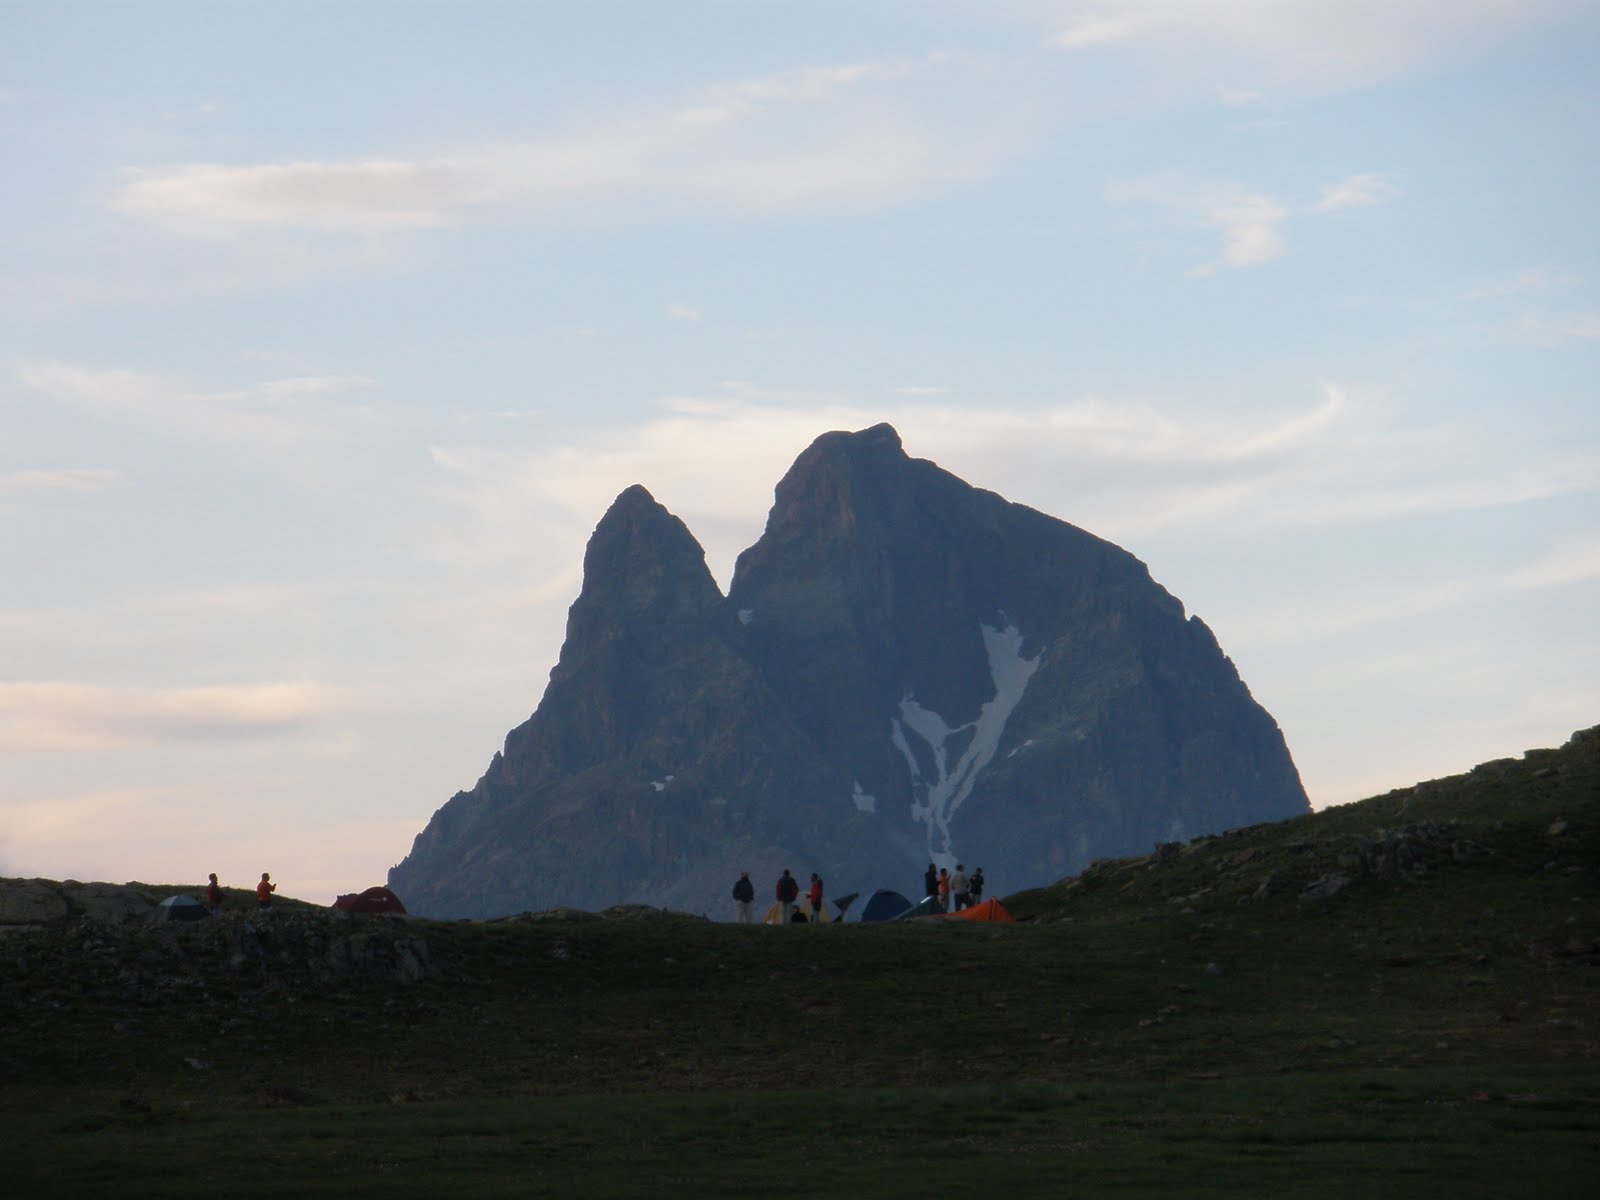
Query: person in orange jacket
{"type": "Point", "coordinates": [264, 891]}
{"type": "Point", "coordinates": [214, 896]}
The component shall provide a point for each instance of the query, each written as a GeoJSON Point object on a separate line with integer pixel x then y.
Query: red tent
{"type": "Point", "coordinates": [373, 900]}
{"type": "Point", "coordinates": [989, 910]}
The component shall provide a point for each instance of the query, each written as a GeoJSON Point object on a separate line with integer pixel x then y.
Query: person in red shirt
{"type": "Point", "coordinates": [264, 891]}
{"type": "Point", "coordinates": [815, 896]}
{"type": "Point", "coordinates": [214, 896]}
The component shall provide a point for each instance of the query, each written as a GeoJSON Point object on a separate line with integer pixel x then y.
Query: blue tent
{"type": "Point", "coordinates": [884, 906]}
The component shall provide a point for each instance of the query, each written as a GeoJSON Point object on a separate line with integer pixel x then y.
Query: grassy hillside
{"type": "Point", "coordinates": [1416, 970]}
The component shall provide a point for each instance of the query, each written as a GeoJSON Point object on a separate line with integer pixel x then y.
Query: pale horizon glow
{"type": "Point", "coordinates": [316, 381]}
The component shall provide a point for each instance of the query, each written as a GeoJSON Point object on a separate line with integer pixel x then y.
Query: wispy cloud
{"type": "Point", "coordinates": [1304, 45]}
{"type": "Point", "coordinates": [1123, 469]}
{"type": "Point", "coordinates": [1251, 222]}
{"type": "Point", "coordinates": [828, 135]}
{"type": "Point", "coordinates": [289, 422]}
{"type": "Point", "coordinates": [1297, 620]}
{"type": "Point", "coordinates": [61, 479]}
{"type": "Point", "coordinates": [1545, 285]}
{"type": "Point", "coordinates": [1357, 191]}
{"type": "Point", "coordinates": [1104, 29]}
{"type": "Point", "coordinates": [73, 716]}
{"type": "Point", "coordinates": [1252, 230]}
{"type": "Point", "coordinates": [1547, 329]}
{"type": "Point", "coordinates": [1529, 279]}
{"type": "Point", "coordinates": [314, 385]}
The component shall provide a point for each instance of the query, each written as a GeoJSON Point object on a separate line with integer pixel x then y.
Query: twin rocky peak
{"type": "Point", "coordinates": [906, 669]}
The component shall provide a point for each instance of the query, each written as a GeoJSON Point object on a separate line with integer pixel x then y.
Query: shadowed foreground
{"type": "Point", "coordinates": [1397, 996]}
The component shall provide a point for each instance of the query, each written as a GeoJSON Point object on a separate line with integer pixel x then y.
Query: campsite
{"type": "Point", "coordinates": [1348, 1000]}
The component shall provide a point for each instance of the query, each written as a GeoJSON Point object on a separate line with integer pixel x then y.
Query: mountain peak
{"type": "Point", "coordinates": [643, 561]}
{"type": "Point", "coordinates": [882, 436]}
{"type": "Point", "coordinates": [907, 669]}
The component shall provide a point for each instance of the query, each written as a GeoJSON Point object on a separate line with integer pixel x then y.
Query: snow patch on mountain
{"type": "Point", "coordinates": [864, 800]}
{"type": "Point", "coordinates": [940, 791]}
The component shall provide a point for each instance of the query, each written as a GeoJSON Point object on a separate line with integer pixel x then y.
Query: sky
{"type": "Point", "coordinates": [328, 332]}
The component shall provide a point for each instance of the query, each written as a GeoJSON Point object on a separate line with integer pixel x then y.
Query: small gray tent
{"type": "Point", "coordinates": [180, 908]}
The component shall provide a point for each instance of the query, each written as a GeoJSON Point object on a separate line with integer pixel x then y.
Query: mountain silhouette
{"type": "Point", "coordinates": [906, 669]}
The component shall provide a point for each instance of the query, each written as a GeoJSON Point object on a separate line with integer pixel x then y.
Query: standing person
{"type": "Point", "coordinates": [930, 882]}
{"type": "Point", "coordinates": [815, 897]}
{"type": "Point", "coordinates": [214, 896]}
{"type": "Point", "coordinates": [788, 889]}
{"type": "Point", "coordinates": [959, 885]}
{"type": "Point", "coordinates": [975, 885]}
{"type": "Point", "coordinates": [264, 891]}
{"type": "Point", "coordinates": [743, 893]}
{"type": "Point", "coordinates": [944, 890]}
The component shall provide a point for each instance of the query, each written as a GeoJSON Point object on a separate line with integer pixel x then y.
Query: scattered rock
{"type": "Point", "coordinates": [1325, 888]}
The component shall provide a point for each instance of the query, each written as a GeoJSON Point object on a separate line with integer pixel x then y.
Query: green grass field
{"type": "Point", "coordinates": [1225, 1018]}
{"type": "Point", "coordinates": [1409, 1132]}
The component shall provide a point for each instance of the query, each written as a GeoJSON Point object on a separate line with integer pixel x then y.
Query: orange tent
{"type": "Point", "coordinates": [989, 910]}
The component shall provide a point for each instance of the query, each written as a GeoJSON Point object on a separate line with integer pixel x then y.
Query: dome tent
{"type": "Point", "coordinates": [884, 905]}
{"type": "Point", "coordinates": [373, 900]}
{"type": "Point", "coordinates": [179, 908]}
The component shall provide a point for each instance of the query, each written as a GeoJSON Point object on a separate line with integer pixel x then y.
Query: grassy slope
{"type": "Point", "coordinates": [1192, 1016]}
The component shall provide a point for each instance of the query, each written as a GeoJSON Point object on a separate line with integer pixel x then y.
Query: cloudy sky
{"type": "Point", "coordinates": [329, 330]}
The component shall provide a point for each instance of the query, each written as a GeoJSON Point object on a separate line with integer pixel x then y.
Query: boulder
{"type": "Point", "coordinates": [107, 901]}
{"type": "Point", "coordinates": [31, 902]}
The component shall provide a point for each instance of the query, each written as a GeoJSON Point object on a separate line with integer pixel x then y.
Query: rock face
{"type": "Point", "coordinates": [906, 670]}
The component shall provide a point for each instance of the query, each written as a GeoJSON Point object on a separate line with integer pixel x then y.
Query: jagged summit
{"type": "Point", "coordinates": [642, 567]}
{"type": "Point", "coordinates": [906, 669]}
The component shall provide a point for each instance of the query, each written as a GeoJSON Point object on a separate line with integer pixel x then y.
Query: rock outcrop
{"type": "Point", "coordinates": [906, 670]}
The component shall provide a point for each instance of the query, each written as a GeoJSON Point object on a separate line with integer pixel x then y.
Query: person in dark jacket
{"type": "Point", "coordinates": [975, 886]}
{"type": "Point", "coordinates": [744, 892]}
{"type": "Point", "coordinates": [788, 890]}
{"type": "Point", "coordinates": [930, 882]}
